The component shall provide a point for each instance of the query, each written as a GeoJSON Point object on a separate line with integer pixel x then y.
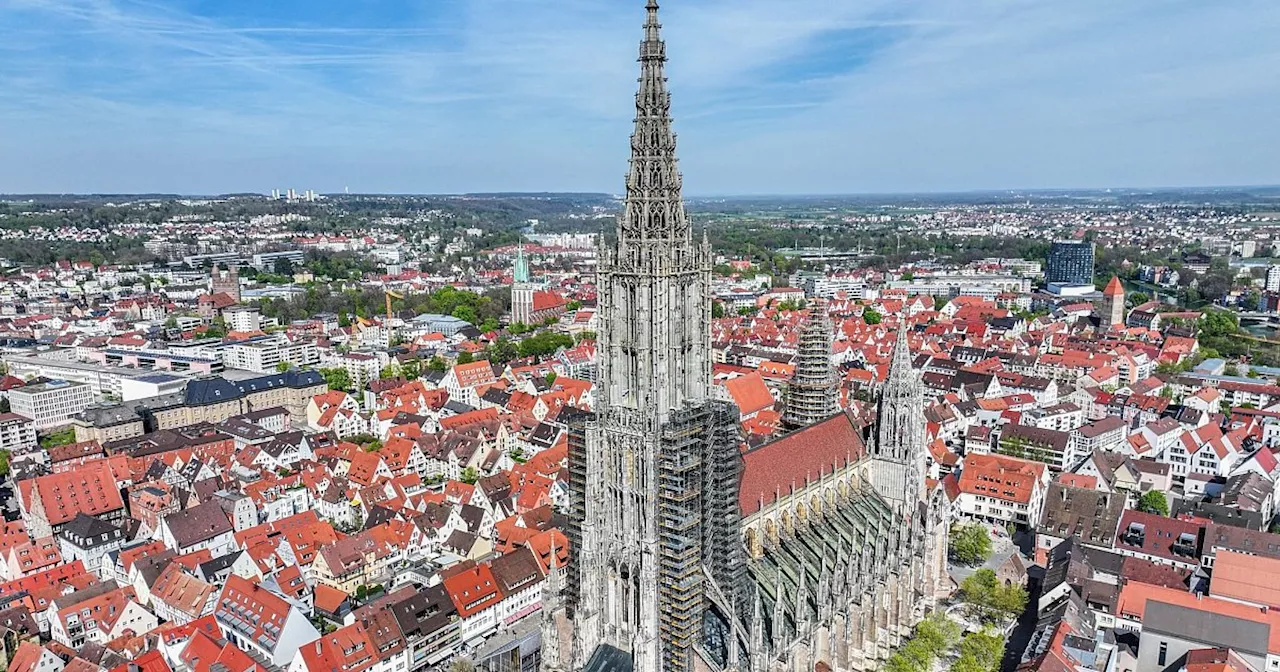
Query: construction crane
{"type": "Point", "coordinates": [390, 295]}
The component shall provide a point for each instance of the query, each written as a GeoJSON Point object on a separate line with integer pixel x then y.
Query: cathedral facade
{"type": "Point", "coordinates": [689, 554]}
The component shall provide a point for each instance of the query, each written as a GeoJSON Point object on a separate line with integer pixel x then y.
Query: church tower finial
{"type": "Point", "coordinates": [521, 272]}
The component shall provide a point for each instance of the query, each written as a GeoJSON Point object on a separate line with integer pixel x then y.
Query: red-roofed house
{"type": "Point", "coordinates": [259, 621]}
{"type": "Point", "coordinates": [474, 592]}
{"type": "Point", "coordinates": [101, 619]}
{"type": "Point", "coordinates": [750, 394]}
{"type": "Point", "coordinates": [996, 488]}
{"type": "Point", "coordinates": [50, 502]}
{"type": "Point", "coordinates": [462, 380]}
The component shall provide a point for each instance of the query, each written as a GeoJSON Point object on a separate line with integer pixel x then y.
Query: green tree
{"type": "Point", "coordinates": [283, 266]}
{"type": "Point", "coordinates": [544, 343]}
{"type": "Point", "coordinates": [470, 476]}
{"type": "Point", "coordinates": [989, 600]}
{"type": "Point", "coordinates": [337, 378]}
{"type": "Point", "coordinates": [1138, 298]}
{"type": "Point", "coordinates": [551, 379]}
{"type": "Point", "coordinates": [216, 329]}
{"type": "Point", "coordinates": [871, 317]}
{"type": "Point", "coordinates": [467, 314]}
{"type": "Point", "coordinates": [437, 364]}
{"type": "Point", "coordinates": [980, 652]}
{"type": "Point", "coordinates": [1219, 323]}
{"type": "Point", "coordinates": [411, 369]}
{"type": "Point", "coordinates": [908, 276]}
{"type": "Point", "coordinates": [585, 336]}
{"type": "Point", "coordinates": [970, 544]}
{"type": "Point", "coordinates": [717, 310]}
{"type": "Point", "coordinates": [933, 637]}
{"type": "Point", "coordinates": [574, 305]}
{"type": "Point", "coordinates": [283, 366]}
{"type": "Point", "coordinates": [502, 350]}
{"type": "Point", "coordinates": [1155, 502]}
{"type": "Point", "coordinates": [465, 358]}
{"type": "Point", "coordinates": [4, 464]}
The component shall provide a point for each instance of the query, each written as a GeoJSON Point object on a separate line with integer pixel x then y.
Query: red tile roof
{"type": "Point", "coordinates": [473, 590]}
{"type": "Point", "coordinates": [90, 490]}
{"type": "Point", "coordinates": [348, 649]}
{"type": "Point", "coordinates": [1247, 578]}
{"type": "Point", "coordinates": [1002, 477]}
{"type": "Point", "coordinates": [269, 607]}
{"type": "Point", "coordinates": [806, 454]}
{"type": "Point", "coordinates": [750, 393]}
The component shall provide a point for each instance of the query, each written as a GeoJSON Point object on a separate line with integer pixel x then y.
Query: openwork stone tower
{"type": "Point", "coordinates": [811, 395]}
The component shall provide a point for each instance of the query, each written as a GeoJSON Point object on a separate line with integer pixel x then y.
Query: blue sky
{"type": "Point", "coordinates": [771, 96]}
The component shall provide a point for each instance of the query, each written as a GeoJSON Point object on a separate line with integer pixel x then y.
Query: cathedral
{"type": "Point", "coordinates": [823, 547]}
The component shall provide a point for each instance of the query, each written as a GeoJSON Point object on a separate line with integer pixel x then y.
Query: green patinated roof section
{"type": "Point", "coordinates": [864, 518]}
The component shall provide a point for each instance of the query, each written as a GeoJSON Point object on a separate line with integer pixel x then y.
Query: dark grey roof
{"type": "Point", "coordinates": [379, 515]}
{"type": "Point", "coordinates": [1219, 513]}
{"type": "Point", "coordinates": [161, 402]}
{"type": "Point", "coordinates": [607, 658]}
{"type": "Point", "coordinates": [472, 516]}
{"type": "Point", "coordinates": [461, 542]}
{"type": "Point", "coordinates": [215, 390]}
{"type": "Point", "coordinates": [217, 566]}
{"type": "Point", "coordinates": [198, 523]}
{"type": "Point", "coordinates": [457, 407]}
{"type": "Point", "coordinates": [242, 427]}
{"type": "Point", "coordinates": [496, 396]}
{"type": "Point", "coordinates": [109, 416]}
{"type": "Point", "coordinates": [1205, 627]}
{"type": "Point", "coordinates": [425, 612]}
{"type": "Point", "coordinates": [1091, 515]}
{"type": "Point", "coordinates": [292, 378]}
{"type": "Point", "coordinates": [87, 531]}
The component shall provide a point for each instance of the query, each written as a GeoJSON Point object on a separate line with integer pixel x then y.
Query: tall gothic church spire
{"type": "Point", "coordinates": [811, 395]}
{"type": "Point", "coordinates": [654, 211]}
{"type": "Point", "coordinates": [654, 475]}
{"type": "Point", "coordinates": [899, 450]}
{"type": "Point", "coordinates": [659, 300]}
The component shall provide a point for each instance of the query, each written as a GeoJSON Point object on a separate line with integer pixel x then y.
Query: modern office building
{"type": "Point", "coordinates": [1070, 263]}
{"type": "Point", "coordinates": [51, 404]}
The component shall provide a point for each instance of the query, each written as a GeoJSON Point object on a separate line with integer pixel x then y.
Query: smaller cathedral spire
{"type": "Point", "coordinates": [900, 363]}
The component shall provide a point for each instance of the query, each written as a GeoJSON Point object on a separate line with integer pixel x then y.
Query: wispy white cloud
{"type": "Point", "coordinates": [802, 96]}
